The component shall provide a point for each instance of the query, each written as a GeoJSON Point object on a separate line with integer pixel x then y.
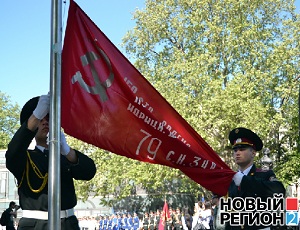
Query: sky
{"type": "Point", "coordinates": [25, 40]}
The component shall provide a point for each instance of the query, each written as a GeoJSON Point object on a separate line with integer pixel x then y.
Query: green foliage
{"type": "Point", "coordinates": [9, 120]}
{"type": "Point", "coordinates": [119, 177]}
{"type": "Point", "coordinates": [220, 64]}
{"type": "Point", "coordinates": [288, 168]}
{"type": "Point", "coordinates": [223, 64]}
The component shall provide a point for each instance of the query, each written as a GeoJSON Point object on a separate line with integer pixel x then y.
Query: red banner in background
{"type": "Point", "coordinates": [108, 103]}
{"type": "Point", "coordinates": [164, 217]}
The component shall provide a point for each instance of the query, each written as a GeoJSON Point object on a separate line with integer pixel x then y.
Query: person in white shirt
{"type": "Point", "coordinates": [206, 215]}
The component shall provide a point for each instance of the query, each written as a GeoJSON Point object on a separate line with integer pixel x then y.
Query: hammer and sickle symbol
{"type": "Point", "coordinates": [99, 87]}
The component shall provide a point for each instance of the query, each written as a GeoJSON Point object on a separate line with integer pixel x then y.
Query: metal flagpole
{"type": "Point", "coordinates": [54, 186]}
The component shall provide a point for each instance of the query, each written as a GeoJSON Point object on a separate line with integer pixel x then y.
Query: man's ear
{"type": "Point", "coordinates": [253, 153]}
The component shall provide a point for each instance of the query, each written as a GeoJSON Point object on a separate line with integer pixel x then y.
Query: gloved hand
{"type": "Point", "coordinates": [43, 107]}
{"type": "Point", "coordinates": [237, 178]}
{"type": "Point", "coordinates": [64, 147]}
{"type": "Point", "coordinates": [47, 139]}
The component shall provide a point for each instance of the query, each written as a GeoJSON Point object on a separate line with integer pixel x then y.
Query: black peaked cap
{"type": "Point", "coordinates": [242, 136]}
{"type": "Point", "coordinates": [28, 109]}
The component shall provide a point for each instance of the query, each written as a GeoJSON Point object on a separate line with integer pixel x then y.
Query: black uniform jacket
{"type": "Point", "coordinates": [30, 168]}
{"type": "Point", "coordinates": [257, 183]}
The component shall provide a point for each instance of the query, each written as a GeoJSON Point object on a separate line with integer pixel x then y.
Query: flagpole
{"type": "Point", "coordinates": [54, 186]}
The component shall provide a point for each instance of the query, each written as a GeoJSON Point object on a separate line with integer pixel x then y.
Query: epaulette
{"type": "Point", "coordinates": [273, 178]}
{"type": "Point", "coordinates": [261, 170]}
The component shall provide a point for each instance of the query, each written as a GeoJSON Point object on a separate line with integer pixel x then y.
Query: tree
{"type": "Point", "coordinates": [220, 64]}
{"type": "Point", "coordinates": [288, 169]}
{"type": "Point", "coordinates": [118, 179]}
{"type": "Point", "coordinates": [9, 120]}
{"type": "Point", "coordinates": [224, 64]}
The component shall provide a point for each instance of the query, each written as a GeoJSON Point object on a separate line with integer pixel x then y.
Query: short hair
{"type": "Point", "coordinates": [207, 205]}
{"type": "Point", "coordinates": [12, 203]}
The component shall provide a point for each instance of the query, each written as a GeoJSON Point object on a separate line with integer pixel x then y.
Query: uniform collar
{"type": "Point", "coordinates": [40, 148]}
{"type": "Point", "coordinates": [247, 170]}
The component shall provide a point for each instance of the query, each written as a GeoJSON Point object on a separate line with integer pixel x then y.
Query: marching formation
{"type": "Point", "coordinates": [175, 219]}
{"type": "Point", "coordinates": [119, 221]}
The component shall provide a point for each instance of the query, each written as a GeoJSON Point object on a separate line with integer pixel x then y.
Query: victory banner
{"type": "Point", "coordinates": [108, 103]}
{"type": "Point", "coordinates": [164, 217]}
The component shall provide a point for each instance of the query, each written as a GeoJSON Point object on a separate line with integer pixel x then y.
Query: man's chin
{"type": "Point", "coordinates": [239, 162]}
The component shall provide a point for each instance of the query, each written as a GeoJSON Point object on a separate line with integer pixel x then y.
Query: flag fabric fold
{"type": "Point", "coordinates": [106, 102]}
{"type": "Point", "coordinates": [164, 217]}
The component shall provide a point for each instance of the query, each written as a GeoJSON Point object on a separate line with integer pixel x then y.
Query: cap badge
{"type": "Point", "coordinates": [239, 140]}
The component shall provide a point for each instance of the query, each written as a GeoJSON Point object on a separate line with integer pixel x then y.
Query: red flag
{"type": "Point", "coordinates": [108, 103]}
{"type": "Point", "coordinates": [164, 217]}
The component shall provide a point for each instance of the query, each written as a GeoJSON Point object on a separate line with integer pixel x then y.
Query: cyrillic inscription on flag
{"type": "Point", "coordinates": [108, 103]}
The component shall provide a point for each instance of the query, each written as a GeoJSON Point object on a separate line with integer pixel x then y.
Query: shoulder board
{"type": "Point", "coordinates": [273, 178]}
{"type": "Point", "coordinates": [262, 170]}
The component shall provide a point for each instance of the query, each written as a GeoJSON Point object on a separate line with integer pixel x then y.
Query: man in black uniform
{"type": "Point", "coordinates": [30, 167]}
{"type": "Point", "coordinates": [170, 221]}
{"type": "Point", "coordinates": [11, 214]}
{"type": "Point", "coordinates": [250, 181]}
{"type": "Point", "coordinates": [177, 219]}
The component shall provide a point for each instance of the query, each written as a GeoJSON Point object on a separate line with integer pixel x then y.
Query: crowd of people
{"type": "Point", "coordinates": [179, 218]}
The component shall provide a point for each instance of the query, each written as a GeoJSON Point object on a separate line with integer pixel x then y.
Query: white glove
{"type": "Point", "coordinates": [64, 147]}
{"type": "Point", "coordinates": [43, 106]}
{"type": "Point", "coordinates": [237, 178]}
{"type": "Point", "coordinates": [47, 139]}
